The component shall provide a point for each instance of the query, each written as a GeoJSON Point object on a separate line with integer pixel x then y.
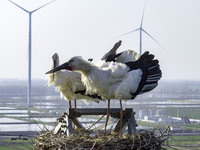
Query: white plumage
{"type": "Point", "coordinates": [68, 83]}
{"type": "Point", "coordinates": [115, 70]}
{"type": "Point", "coordinates": [108, 81]}
{"type": "Point", "coordinates": [126, 56]}
{"type": "Point", "coordinates": [117, 80]}
{"type": "Point", "coordinates": [122, 57]}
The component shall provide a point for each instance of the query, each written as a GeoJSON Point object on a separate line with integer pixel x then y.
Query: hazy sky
{"type": "Point", "coordinates": [87, 28]}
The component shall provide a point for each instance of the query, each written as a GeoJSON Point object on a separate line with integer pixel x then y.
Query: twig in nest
{"type": "Point", "coordinates": [166, 130]}
{"type": "Point", "coordinates": [93, 145]}
{"type": "Point", "coordinates": [95, 123]}
{"type": "Point", "coordinates": [34, 120]}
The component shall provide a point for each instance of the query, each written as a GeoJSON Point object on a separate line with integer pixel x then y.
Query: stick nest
{"type": "Point", "coordinates": [143, 140]}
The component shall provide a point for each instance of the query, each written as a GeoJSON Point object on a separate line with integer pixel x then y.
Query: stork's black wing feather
{"type": "Point", "coordinates": [112, 54]}
{"type": "Point", "coordinates": [151, 73]}
{"type": "Point", "coordinates": [92, 96]}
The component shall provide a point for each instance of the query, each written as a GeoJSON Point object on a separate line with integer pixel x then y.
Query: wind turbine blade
{"type": "Point", "coordinates": [42, 6]}
{"type": "Point", "coordinates": [19, 6]}
{"type": "Point", "coordinates": [143, 15]}
{"type": "Point", "coordinates": [128, 32]}
{"type": "Point", "coordinates": [153, 38]}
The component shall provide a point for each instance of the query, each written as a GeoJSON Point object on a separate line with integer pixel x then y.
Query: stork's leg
{"type": "Point", "coordinates": [108, 114]}
{"type": "Point", "coordinates": [75, 103]}
{"type": "Point", "coordinates": [70, 104]}
{"type": "Point", "coordinates": [75, 108]}
{"type": "Point", "coordinates": [121, 117]}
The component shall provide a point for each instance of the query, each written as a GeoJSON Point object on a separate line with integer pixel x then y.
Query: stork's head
{"type": "Point", "coordinates": [55, 59]}
{"type": "Point", "coordinates": [54, 64]}
{"type": "Point", "coordinates": [75, 63]}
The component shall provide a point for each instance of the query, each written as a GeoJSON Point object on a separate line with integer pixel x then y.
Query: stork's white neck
{"type": "Point", "coordinates": [85, 67]}
{"type": "Point", "coordinates": [93, 78]}
{"type": "Point", "coordinates": [50, 77]}
{"type": "Point", "coordinates": [54, 63]}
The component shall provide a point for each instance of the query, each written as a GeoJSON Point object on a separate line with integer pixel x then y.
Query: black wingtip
{"type": "Point", "coordinates": [90, 59]}
{"type": "Point", "coordinates": [111, 55]}
{"type": "Point", "coordinates": [151, 73]}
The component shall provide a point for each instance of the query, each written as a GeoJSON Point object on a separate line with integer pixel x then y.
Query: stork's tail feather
{"type": "Point", "coordinates": [151, 73]}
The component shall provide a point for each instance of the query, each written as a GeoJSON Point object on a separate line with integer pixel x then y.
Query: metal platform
{"type": "Point", "coordinates": [64, 125]}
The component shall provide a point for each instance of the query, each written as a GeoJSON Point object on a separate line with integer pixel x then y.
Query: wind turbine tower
{"type": "Point", "coordinates": [142, 30]}
{"type": "Point", "coordinates": [29, 47]}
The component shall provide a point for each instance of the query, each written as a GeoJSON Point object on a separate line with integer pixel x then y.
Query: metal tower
{"type": "Point", "coordinates": [29, 47]}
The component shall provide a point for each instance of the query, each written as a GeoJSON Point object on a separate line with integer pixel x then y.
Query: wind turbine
{"type": "Point", "coordinates": [142, 30]}
{"type": "Point", "coordinates": [29, 47]}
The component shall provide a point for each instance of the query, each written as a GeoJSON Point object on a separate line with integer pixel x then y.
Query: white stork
{"type": "Point", "coordinates": [118, 80]}
{"type": "Point", "coordinates": [122, 57]}
{"type": "Point", "coordinates": [68, 83]}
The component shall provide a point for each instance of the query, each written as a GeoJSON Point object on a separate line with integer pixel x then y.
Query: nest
{"type": "Point", "coordinates": [143, 140]}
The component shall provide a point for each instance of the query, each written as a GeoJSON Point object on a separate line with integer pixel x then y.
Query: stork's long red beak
{"type": "Point", "coordinates": [63, 66]}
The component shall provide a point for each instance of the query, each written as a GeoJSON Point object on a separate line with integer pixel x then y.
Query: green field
{"type": "Point", "coordinates": [184, 142]}
{"type": "Point", "coordinates": [190, 127]}
{"type": "Point", "coordinates": [19, 144]}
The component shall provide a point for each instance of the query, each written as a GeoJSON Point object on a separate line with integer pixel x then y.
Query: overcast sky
{"type": "Point", "coordinates": [87, 28]}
